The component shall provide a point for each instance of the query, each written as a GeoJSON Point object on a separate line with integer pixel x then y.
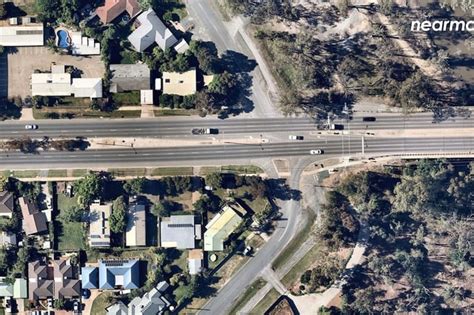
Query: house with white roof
{"type": "Point", "coordinates": [21, 31]}
{"type": "Point", "coordinates": [82, 45]}
{"type": "Point", "coordinates": [151, 30]}
{"type": "Point", "coordinates": [59, 83]}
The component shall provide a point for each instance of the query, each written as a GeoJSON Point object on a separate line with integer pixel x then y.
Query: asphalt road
{"type": "Point", "coordinates": [209, 22]}
{"type": "Point", "coordinates": [284, 231]}
{"type": "Point", "coordinates": [194, 155]}
{"type": "Point", "coordinates": [181, 127]}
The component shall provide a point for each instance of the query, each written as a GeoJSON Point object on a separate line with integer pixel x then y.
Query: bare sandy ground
{"type": "Point", "coordinates": [23, 62]}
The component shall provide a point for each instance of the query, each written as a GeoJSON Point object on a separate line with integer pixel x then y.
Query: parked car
{"type": "Point", "coordinates": [248, 250]}
{"type": "Point", "coordinates": [316, 152]}
{"type": "Point", "coordinates": [30, 127]}
{"type": "Point", "coordinates": [292, 137]}
{"type": "Point", "coordinates": [50, 303]}
{"type": "Point", "coordinates": [77, 307]}
{"type": "Point", "coordinates": [369, 119]}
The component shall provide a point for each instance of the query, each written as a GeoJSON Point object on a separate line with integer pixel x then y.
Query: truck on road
{"type": "Point", "coordinates": [205, 131]}
{"type": "Point", "coordinates": [336, 127]}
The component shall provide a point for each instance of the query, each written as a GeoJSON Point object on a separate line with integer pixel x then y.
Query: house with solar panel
{"type": "Point", "coordinates": [112, 274]}
{"type": "Point", "coordinates": [179, 231]}
{"type": "Point", "coordinates": [99, 226]}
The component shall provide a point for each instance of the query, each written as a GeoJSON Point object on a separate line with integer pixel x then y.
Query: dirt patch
{"type": "Point", "coordinates": [25, 60]}
{"type": "Point", "coordinates": [282, 166]}
{"type": "Point", "coordinates": [282, 308]}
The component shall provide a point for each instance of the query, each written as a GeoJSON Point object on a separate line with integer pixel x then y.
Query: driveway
{"type": "Point", "coordinates": [22, 62]}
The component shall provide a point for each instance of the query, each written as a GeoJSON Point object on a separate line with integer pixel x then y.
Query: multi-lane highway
{"type": "Point", "coordinates": [197, 154]}
{"type": "Point", "coordinates": [182, 127]}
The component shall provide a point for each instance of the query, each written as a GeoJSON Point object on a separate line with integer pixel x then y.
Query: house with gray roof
{"type": "Point", "coordinates": [66, 285]}
{"type": "Point", "coordinates": [179, 231]}
{"type": "Point", "coordinates": [112, 274]}
{"type": "Point", "coordinates": [34, 221]}
{"type": "Point", "coordinates": [90, 277]}
{"type": "Point", "coordinates": [6, 204]}
{"type": "Point", "coordinates": [151, 303]}
{"type": "Point", "coordinates": [117, 309]}
{"type": "Point", "coordinates": [135, 233]}
{"type": "Point", "coordinates": [40, 283]}
{"type": "Point", "coordinates": [17, 290]}
{"type": "Point", "coordinates": [151, 30]}
{"type": "Point", "coordinates": [129, 77]}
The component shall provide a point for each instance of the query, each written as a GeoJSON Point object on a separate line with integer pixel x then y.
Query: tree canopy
{"type": "Point", "coordinates": [118, 217]}
{"type": "Point", "coordinates": [89, 188]}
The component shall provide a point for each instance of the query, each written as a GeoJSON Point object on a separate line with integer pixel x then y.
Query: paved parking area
{"type": "Point", "coordinates": [3, 75]}
{"type": "Point", "coordinates": [24, 60]}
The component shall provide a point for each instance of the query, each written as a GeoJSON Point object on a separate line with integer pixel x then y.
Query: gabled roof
{"type": "Point", "coordinates": [64, 284]}
{"type": "Point", "coordinates": [40, 285]}
{"type": "Point", "coordinates": [119, 273]}
{"type": "Point", "coordinates": [151, 30]}
{"type": "Point", "coordinates": [87, 87]}
{"type": "Point", "coordinates": [151, 303]}
{"type": "Point", "coordinates": [113, 8]}
{"type": "Point", "coordinates": [6, 203]}
{"type": "Point", "coordinates": [20, 289]}
{"type": "Point", "coordinates": [117, 309]}
{"type": "Point", "coordinates": [6, 289]}
{"type": "Point", "coordinates": [219, 228]}
{"type": "Point", "coordinates": [34, 221]}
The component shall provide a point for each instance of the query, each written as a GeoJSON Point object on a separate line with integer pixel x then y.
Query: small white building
{"type": "Point", "coordinates": [24, 31]}
{"type": "Point", "coordinates": [59, 83]}
{"type": "Point", "coordinates": [82, 45]}
{"type": "Point", "coordinates": [146, 97]}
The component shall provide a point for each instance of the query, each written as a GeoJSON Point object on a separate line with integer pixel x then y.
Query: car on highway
{"type": "Point", "coordinates": [31, 127]}
{"type": "Point", "coordinates": [371, 119]}
{"type": "Point", "coordinates": [316, 152]}
{"type": "Point", "coordinates": [293, 137]}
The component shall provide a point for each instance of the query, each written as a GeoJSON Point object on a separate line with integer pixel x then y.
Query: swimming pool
{"type": "Point", "coordinates": [63, 39]}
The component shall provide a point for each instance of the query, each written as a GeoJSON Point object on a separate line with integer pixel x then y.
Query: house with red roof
{"type": "Point", "coordinates": [113, 8]}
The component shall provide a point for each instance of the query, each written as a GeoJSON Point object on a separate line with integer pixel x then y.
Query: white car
{"type": "Point", "coordinates": [316, 152]}
{"type": "Point", "coordinates": [292, 137]}
{"type": "Point", "coordinates": [30, 127]}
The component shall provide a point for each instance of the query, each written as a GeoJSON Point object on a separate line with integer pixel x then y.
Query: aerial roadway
{"type": "Point", "coordinates": [181, 127]}
{"type": "Point", "coordinates": [202, 154]}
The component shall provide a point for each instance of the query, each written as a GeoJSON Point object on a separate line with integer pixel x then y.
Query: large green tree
{"type": "Point", "coordinates": [89, 188]}
{"type": "Point", "coordinates": [117, 219]}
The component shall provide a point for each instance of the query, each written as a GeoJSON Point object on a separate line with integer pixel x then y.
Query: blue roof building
{"type": "Point", "coordinates": [112, 274]}
{"type": "Point", "coordinates": [90, 277]}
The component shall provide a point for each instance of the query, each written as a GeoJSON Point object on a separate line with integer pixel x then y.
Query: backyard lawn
{"type": "Point", "coordinates": [100, 303]}
{"type": "Point", "coordinates": [70, 234]}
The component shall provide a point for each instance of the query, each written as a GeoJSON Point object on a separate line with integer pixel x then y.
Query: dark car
{"type": "Point", "coordinates": [369, 119]}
